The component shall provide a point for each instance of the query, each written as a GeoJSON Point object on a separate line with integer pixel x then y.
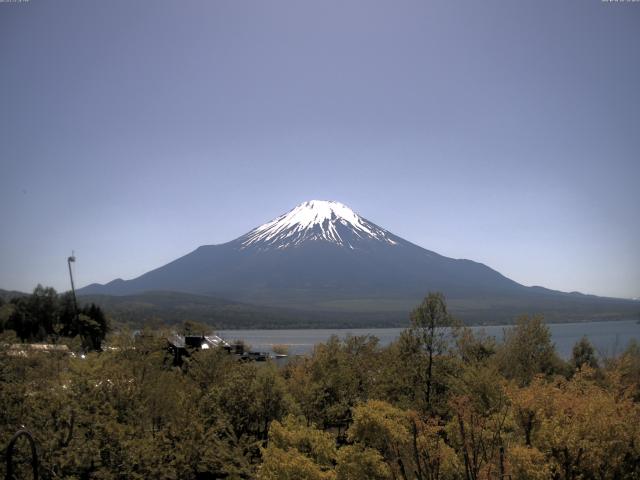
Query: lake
{"type": "Point", "coordinates": [609, 338]}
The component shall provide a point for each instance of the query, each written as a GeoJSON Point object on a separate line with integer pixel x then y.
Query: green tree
{"type": "Point", "coordinates": [271, 398]}
{"type": "Point", "coordinates": [473, 348]}
{"type": "Point", "coordinates": [297, 451]}
{"type": "Point", "coordinates": [480, 419]}
{"type": "Point", "coordinates": [583, 429]}
{"type": "Point", "coordinates": [43, 306]}
{"type": "Point", "coordinates": [625, 370]}
{"type": "Point", "coordinates": [93, 326]}
{"type": "Point", "coordinates": [583, 354]}
{"type": "Point", "coordinates": [528, 350]}
{"type": "Point", "coordinates": [431, 324]}
{"type": "Point", "coordinates": [67, 317]}
{"type": "Point", "coordinates": [281, 464]}
{"type": "Point", "coordinates": [22, 322]}
{"type": "Point", "coordinates": [355, 462]}
{"type": "Point", "coordinates": [338, 375]}
{"type": "Point", "coordinates": [190, 327]}
{"type": "Point", "coordinates": [409, 446]}
{"type": "Point", "coordinates": [5, 312]}
{"type": "Point", "coordinates": [385, 428]}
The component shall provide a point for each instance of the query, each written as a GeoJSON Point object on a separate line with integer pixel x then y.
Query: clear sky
{"type": "Point", "coordinates": [504, 132]}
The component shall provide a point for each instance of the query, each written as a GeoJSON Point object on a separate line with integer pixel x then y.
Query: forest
{"type": "Point", "coordinates": [441, 402]}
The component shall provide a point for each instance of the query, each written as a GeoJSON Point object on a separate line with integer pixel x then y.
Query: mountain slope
{"type": "Point", "coordinates": [322, 256]}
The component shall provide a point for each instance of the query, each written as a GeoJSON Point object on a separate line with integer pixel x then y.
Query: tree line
{"type": "Point", "coordinates": [46, 316]}
{"type": "Point", "coordinates": [441, 402]}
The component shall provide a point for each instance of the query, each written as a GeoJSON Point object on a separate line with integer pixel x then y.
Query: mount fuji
{"type": "Point", "coordinates": [321, 256]}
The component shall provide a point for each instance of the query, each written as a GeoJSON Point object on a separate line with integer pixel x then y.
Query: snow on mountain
{"type": "Point", "coordinates": [316, 220]}
{"type": "Point", "coordinates": [324, 258]}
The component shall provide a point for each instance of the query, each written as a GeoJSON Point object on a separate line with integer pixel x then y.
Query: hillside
{"type": "Point", "coordinates": [324, 261]}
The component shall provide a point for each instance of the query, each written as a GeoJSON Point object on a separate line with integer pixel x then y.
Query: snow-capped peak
{"type": "Point", "coordinates": [316, 220]}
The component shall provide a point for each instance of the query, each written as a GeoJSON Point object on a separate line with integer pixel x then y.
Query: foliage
{"type": "Point", "coordinates": [297, 451]}
{"type": "Point", "coordinates": [583, 430]}
{"type": "Point", "coordinates": [430, 324]}
{"type": "Point", "coordinates": [528, 463]}
{"type": "Point", "coordinates": [527, 350]}
{"type": "Point", "coordinates": [280, 349]}
{"type": "Point", "coordinates": [473, 348]}
{"type": "Point", "coordinates": [334, 379]}
{"type": "Point", "coordinates": [583, 354]}
{"type": "Point", "coordinates": [46, 316]}
{"type": "Point", "coordinates": [355, 462]}
{"type": "Point", "coordinates": [627, 369]}
{"type": "Point", "coordinates": [351, 410]}
{"type": "Point", "coordinates": [282, 464]}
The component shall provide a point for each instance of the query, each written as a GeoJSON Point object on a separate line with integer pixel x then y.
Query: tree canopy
{"type": "Point", "coordinates": [351, 410]}
{"type": "Point", "coordinates": [46, 316]}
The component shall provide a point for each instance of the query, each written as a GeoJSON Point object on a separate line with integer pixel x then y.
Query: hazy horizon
{"type": "Point", "coordinates": [508, 134]}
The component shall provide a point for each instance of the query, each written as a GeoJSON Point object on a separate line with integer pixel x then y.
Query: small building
{"type": "Point", "coordinates": [180, 346]}
{"type": "Point", "coordinates": [183, 345]}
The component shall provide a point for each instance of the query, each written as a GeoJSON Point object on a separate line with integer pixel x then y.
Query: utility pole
{"type": "Point", "coordinates": [72, 258]}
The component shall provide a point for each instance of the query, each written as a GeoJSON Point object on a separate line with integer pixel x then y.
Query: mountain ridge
{"type": "Point", "coordinates": [322, 254]}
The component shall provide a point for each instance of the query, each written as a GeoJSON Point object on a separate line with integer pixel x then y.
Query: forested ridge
{"type": "Point", "coordinates": [441, 402]}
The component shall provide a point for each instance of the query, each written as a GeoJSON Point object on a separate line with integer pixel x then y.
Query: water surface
{"type": "Point", "coordinates": [609, 338]}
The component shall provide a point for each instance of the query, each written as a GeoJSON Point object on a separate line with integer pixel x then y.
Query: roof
{"type": "Point", "coordinates": [197, 341]}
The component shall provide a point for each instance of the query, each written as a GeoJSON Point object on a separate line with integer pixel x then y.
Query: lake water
{"type": "Point", "coordinates": [609, 338]}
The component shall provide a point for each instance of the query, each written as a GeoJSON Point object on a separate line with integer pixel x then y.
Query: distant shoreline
{"type": "Point", "coordinates": [607, 341]}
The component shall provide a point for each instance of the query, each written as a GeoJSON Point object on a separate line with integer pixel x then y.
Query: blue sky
{"type": "Point", "coordinates": [504, 132]}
